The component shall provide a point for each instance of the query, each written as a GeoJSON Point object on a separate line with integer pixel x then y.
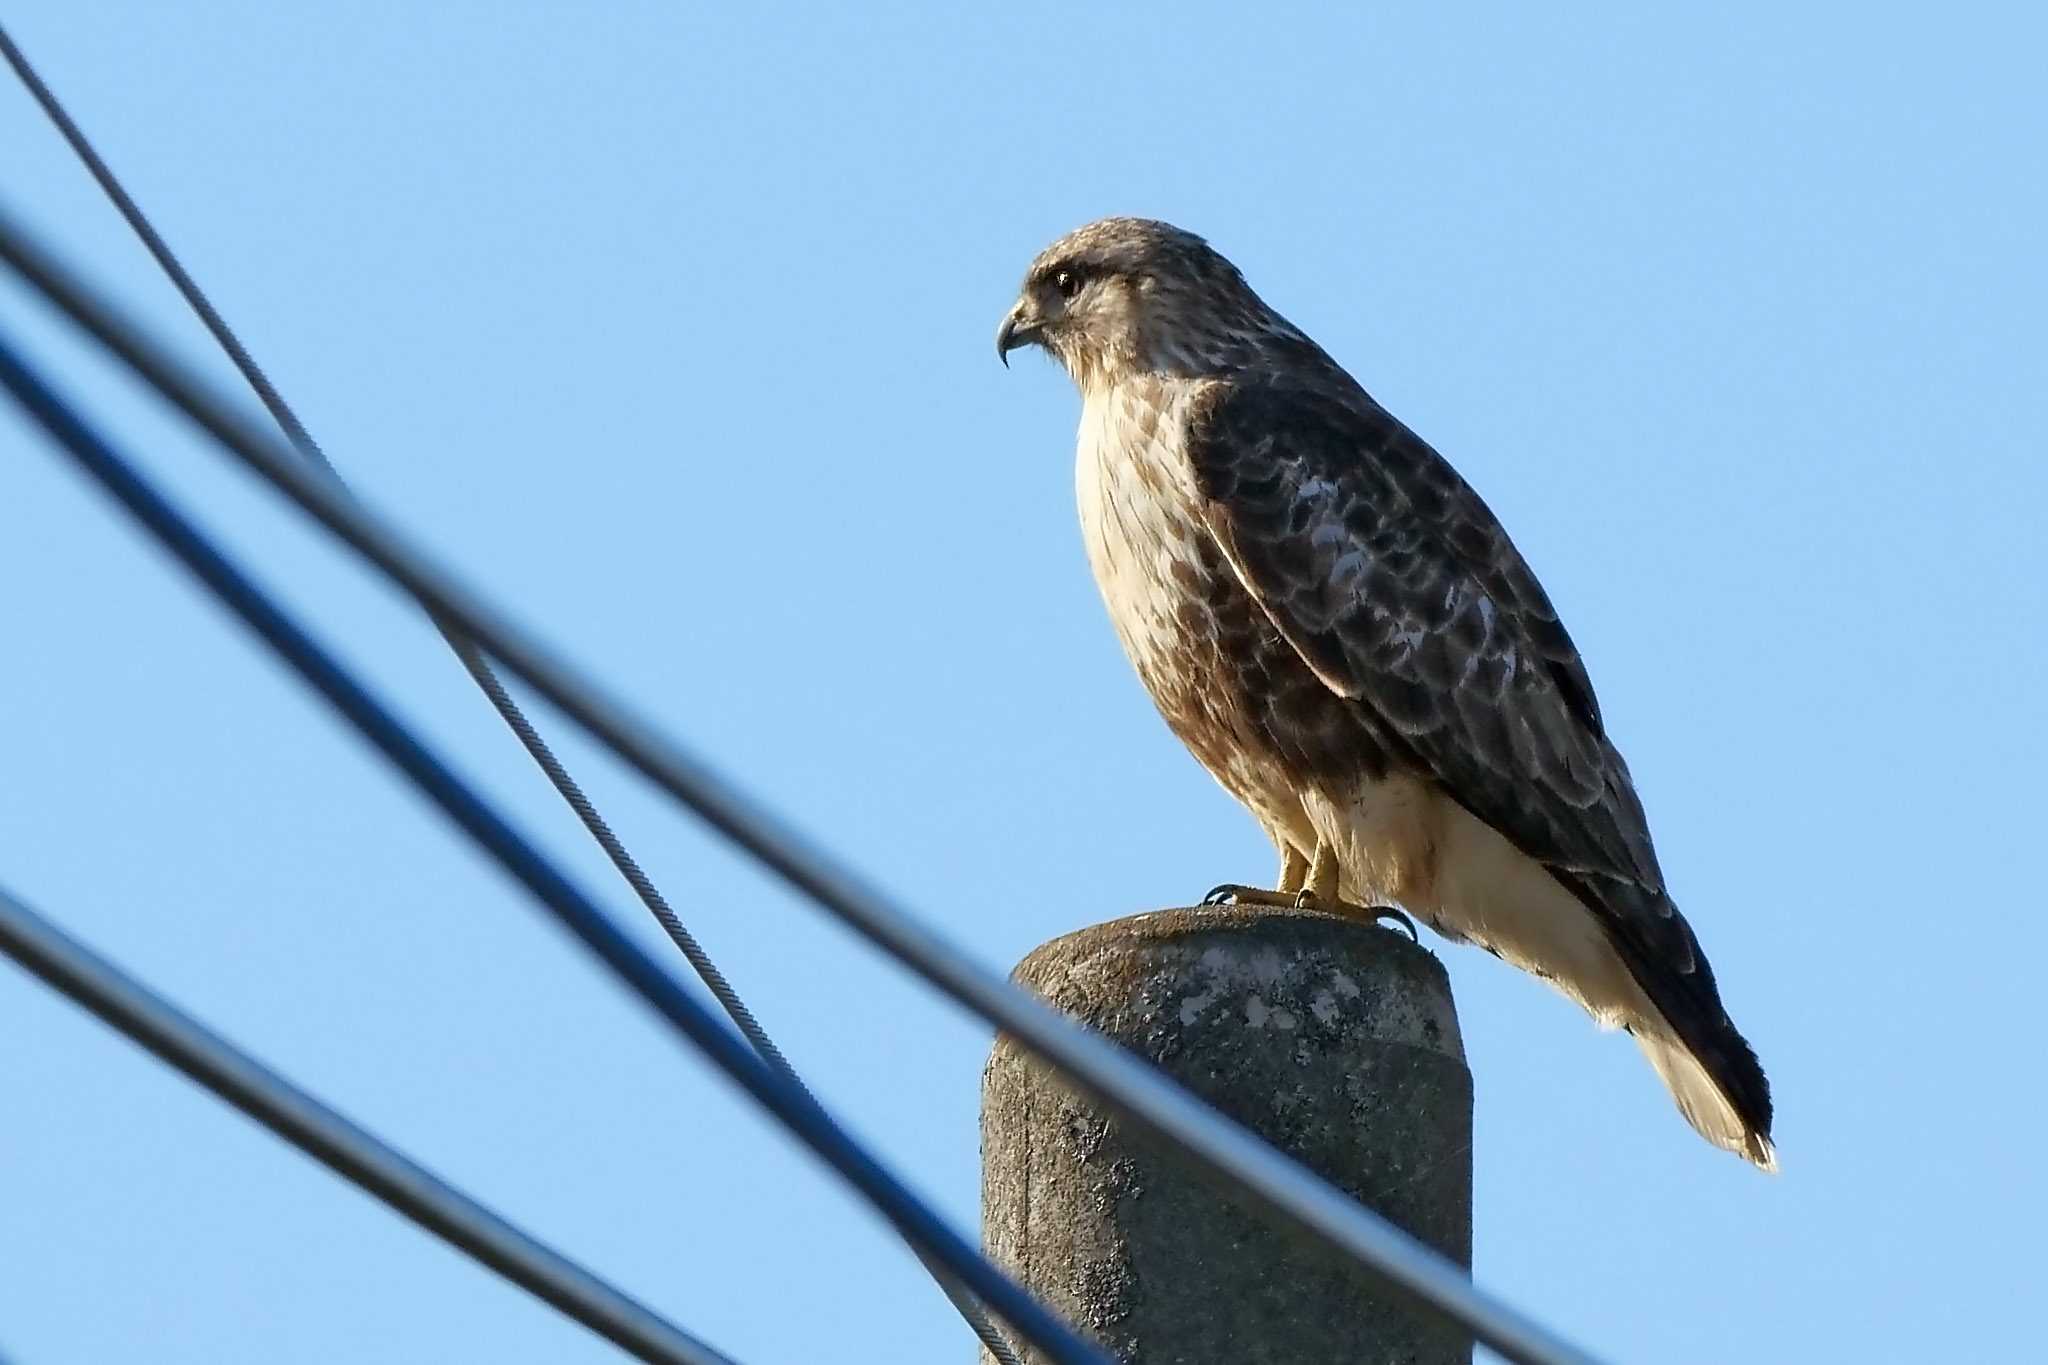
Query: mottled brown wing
{"type": "Point", "coordinates": [1400, 590]}
{"type": "Point", "coordinates": [1395, 583]}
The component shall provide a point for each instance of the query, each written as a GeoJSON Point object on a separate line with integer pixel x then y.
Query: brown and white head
{"type": "Point", "coordinates": [1124, 297]}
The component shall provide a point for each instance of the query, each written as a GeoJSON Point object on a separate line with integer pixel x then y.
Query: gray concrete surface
{"type": "Point", "coordinates": [1334, 1039]}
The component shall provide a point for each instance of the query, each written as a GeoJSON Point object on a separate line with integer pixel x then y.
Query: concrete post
{"type": "Point", "coordinates": [1334, 1039]}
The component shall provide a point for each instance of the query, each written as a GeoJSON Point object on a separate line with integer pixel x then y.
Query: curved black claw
{"type": "Point", "coordinates": [1306, 900]}
{"type": "Point", "coordinates": [1230, 893]}
{"type": "Point", "coordinates": [1400, 917]}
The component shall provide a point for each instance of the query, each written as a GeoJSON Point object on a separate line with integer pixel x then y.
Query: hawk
{"type": "Point", "coordinates": [1328, 616]}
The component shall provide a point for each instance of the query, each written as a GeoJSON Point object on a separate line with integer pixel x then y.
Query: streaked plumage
{"type": "Point", "coordinates": [1342, 633]}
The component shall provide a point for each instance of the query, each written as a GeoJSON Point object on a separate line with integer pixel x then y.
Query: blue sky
{"type": "Point", "coordinates": [673, 326]}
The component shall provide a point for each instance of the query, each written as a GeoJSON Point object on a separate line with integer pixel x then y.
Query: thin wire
{"type": "Point", "coordinates": [1123, 1083]}
{"type": "Point", "coordinates": [351, 1152]}
{"type": "Point", "coordinates": [472, 659]}
{"type": "Point", "coordinates": [648, 979]}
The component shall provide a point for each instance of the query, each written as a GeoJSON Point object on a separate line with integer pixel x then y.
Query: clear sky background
{"type": "Point", "coordinates": [672, 325]}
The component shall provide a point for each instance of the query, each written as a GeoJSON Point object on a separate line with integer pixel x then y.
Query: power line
{"type": "Point", "coordinates": [319, 669]}
{"type": "Point", "coordinates": [1126, 1085]}
{"type": "Point", "coordinates": [157, 247]}
{"type": "Point", "coordinates": [472, 659]}
{"type": "Point", "coordinates": [351, 1152]}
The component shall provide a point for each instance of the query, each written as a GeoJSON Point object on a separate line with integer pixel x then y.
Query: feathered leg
{"type": "Point", "coordinates": [1293, 870]}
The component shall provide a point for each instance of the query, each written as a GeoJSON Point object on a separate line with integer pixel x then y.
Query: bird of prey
{"type": "Point", "coordinates": [1328, 616]}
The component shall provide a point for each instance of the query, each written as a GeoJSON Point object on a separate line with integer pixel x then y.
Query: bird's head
{"type": "Point", "coordinates": [1125, 296]}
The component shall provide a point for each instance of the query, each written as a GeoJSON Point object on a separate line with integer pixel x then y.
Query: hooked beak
{"type": "Point", "coordinates": [1017, 330]}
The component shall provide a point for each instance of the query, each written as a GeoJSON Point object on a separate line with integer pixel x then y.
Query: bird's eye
{"type": "Point", "coordinates": [1068, 282]}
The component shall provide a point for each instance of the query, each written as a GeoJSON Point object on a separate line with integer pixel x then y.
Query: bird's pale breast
{"type": "Point", "coordinates": [1227, 685]}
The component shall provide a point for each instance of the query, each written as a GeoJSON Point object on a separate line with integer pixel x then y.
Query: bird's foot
{"type": "Point", "coordinates": [1233, 893]}
{"type": "Point", "coordinates": [1307, 900]}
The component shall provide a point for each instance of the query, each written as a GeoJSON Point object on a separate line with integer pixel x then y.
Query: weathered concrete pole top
{"type": "Point", "coordinates": [1333, 1038]}
{"type": "Point", "coordinates": [1259, 967]}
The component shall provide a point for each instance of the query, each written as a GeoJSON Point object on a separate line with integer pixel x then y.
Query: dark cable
{"type": "Point", "coordinates": [351, 1152]}
{"type": "Point", "coordinates": [472, 658]}
{"type": "Point", "coordinates": [790, 1104]}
